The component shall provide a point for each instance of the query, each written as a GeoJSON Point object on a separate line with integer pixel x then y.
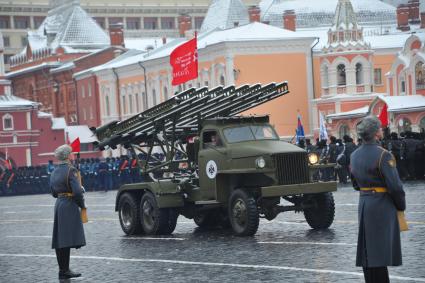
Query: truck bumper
{"type": "Point", "coordinates": [297, 189]}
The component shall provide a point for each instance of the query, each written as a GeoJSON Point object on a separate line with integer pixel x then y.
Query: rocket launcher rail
{"type": "Point", "coordinates": [181, 114]}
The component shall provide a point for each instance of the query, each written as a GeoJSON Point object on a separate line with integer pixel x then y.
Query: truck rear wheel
{"type": "Point", "coordinates": [322, 213]}
{"type": "Point", "coordinates": [243, 213]}
{"type": "Point", "coordinates": [155, 220]}
{"type": "Point", "coordinates": [129, 214]}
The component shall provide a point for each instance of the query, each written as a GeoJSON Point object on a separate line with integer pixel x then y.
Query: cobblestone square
{"type": "Point", "coordinates": [283, 250]}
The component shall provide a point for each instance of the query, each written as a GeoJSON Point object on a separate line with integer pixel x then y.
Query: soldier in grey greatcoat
{"type": "Point", "coordinates": [375, 175]}
{"type": "Point", "coordinates": [68, 229]}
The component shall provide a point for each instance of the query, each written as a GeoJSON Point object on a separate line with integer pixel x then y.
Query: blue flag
{"type": "Point", "coordinates": [300, 130]}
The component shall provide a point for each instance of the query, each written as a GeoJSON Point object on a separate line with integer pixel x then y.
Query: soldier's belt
{"type": "Point", "coordinates": [376, 190]}
{"type": "Point", "coordinates": [66, 194]}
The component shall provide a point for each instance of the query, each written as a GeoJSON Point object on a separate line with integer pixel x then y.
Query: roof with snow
{"type": "Point", "coordinates": [250, 32]}
{"type": "Point", "coordinates": [345, 17]}
{"type": "Point", "coordinates": [314, 13]}
{"type": "Point", "coordinates": [68, 26]}
{"type": "Point", "coordinates": [359, 112]}
{"type": "Point", "coordinates": [404, 103]}
{"type": "Point", "coordinates": [225, 14]}
{"type": "Point", "coordinates": [81, 131]}
{"type": "Point", "coordinates": [13, 102]}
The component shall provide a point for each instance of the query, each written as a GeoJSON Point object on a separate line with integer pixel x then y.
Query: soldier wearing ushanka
{"type": "Point", "coordinates": [68, 231]}
{"type": "Point", "coordinates": [375, 175]}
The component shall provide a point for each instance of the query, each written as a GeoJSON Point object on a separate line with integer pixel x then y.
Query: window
{"type": "Point", "coordinates": [84, 114]}
{"type": "Point", "coordinates": [7, 58]}
{"type": "Point", "coordinates": [22, 22]}
{"type": "Point", "coordinates": [83, 94]}
{"type": "Point", "coordinates": [7, 122]}
{"type": "Point", "coordinates": [222, 81]}
{"type": "Point", "coordinates": [107, 106]}
{"type": "Point", "coordinates": [150, 23]}
{"type": "Point", "coordinates": [100, 21]}
{"type": "Point", "coordinates": [38, 21]}
{"type": "Point", "coordinates": [4, 22]}
{"type": "Point", "coordinates": [124, 108]}
{"type": "Point", "coordinates": [422, 125]}
{"type": "Point", "coordinates": [154, 97]}
{"type": "Point", "coordinates": [359, 74]}
{"type": "Point", "coordinates": [24, 41]}
{"type": "Point", "coordinates": [115, 20]}
{"type": "Point", "coordinates": [325, 76]}
{"type": "Point", "coordinates": [211, 138]}
{"type": "Point", "coordinates": [206, 83]}
{"type": "Point", "coordinates": [344, 130]}
{"type": "Point", "coordinates": [90, 89]}
{"type": "Point", "coordinates": [130, 103]}
{"type": "Point", "coordinates": [144, 101]}
{"type": "Point", "coordinates": [249, 133]}
{"type": "Point", "coordinates": [6, 41]}
{"type": "Point", "coordinates": [136, 98]}
{"type": "Point", "coordinates": [91, 112]}
{"type": "Point", "coordinates": [420, 76]}
{"type": "Point", "coordinates": [165, 93]}
{"type": "Point", "coordinates": [404, 125]}
{"type": "Point", "coordinates": [133, 23]}
{"type": "Point", "coordinates": [377, 76]}
{"type": "Point", "coordinates": [198, 22]}
{"type": "Point", "coordinates": [167, 23]}
{"type": "Point", "coordinates": [341, 74]}
{"type": "Point", "coordinates": [402, 86]}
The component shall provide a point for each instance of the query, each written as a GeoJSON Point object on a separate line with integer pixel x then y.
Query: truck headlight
{"type": "Point", "coordinates": [313, 158]}
{"type": "Point", "coordinates": [260, 162]}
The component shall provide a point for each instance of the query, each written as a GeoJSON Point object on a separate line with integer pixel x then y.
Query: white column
{"type": "Point", "coordinates": [230, 78]}
{"type": "Point", "coordinates": [333, 81]}
{"type": "Point", "coordinates": [350, 75]}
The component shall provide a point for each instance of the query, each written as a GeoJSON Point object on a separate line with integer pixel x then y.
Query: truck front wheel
{"type": "Point", "coordinates": [155, 220]}
{"type": "Point", "coordinates": [321, 211]}
{"type": "Point", "coordinates": [243, 213]}
{"type": "Point", "coordinates": [129, 214]}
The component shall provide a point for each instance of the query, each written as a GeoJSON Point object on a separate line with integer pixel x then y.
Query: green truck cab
{"type": "Point", "coordinates": [243, 172]}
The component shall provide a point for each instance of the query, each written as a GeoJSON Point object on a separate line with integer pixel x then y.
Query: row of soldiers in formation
{"type": "Point", "coordinates": [408, 150]}
{"type": "Point", "coordinates": [110, 173]}
{"type": "Point", "coordinates": [106, 174]}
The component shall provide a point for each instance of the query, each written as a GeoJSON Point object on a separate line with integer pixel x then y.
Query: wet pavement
{"type": "Point", "coordinates": [283, 250]}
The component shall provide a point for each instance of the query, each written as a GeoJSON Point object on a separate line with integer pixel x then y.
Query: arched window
{"type": "Point", "coordinates": [404, 125]}
{"type": "Point", "coordinates": [325, 74]}
{"type": "Point", "coordinates": [422, 124]}
{"type": "Point", "coordinates": [359, 74]}
{"type": "Point", "coordinates": [344, 130]}
{"type": "Point", "coordinates": [222, 81]}
{"type": "Point", "coordinates": [402, 86]}
{"type": "Point", "coordinates": [107, 106]}
{"type": "Point", "coordinates": [341, 74]}
{"type": "Point", "coordinates": [420, 76]}
{"type": "Point", "coordinates": [165, 93]}
{"type": "Point", "coordinates": [7, 122]}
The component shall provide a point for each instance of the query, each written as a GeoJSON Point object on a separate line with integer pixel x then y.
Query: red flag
{"type": "Point", "coordinates": [383, 117]}
{"type": "Point", "coordinates": [76, 145]}
{"type": "Point", "coordinates": [184, 60]}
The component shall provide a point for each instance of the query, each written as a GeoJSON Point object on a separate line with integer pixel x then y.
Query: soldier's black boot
{"type": "Point", "coordinates": [64, 271]}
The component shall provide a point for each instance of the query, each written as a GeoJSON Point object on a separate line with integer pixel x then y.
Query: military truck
{"type": "Point", "coordinates": [219, 168]}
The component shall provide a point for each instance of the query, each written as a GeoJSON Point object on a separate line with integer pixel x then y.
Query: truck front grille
{"type": "Point", "coordinates": [292, 168]}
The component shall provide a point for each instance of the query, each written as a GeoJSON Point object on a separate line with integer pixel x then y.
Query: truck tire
{"type": "Point", "coordinates": [156, 221]}
{"type": "Point", "coordinates": [322, 214]}
{"type": "Point", "coordinates": [243, 213]}
{"type": "Point", "coordinates": [129, 214]}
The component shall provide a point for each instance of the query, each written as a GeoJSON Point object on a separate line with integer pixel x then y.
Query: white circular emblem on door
{"type": "Point", "coordinates": [211, 169]}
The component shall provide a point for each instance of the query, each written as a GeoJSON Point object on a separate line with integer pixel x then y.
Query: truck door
{"type": "Point", "coordinates": [212, 157]}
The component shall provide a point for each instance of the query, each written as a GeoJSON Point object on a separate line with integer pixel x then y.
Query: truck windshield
{"type": "Point", "coordinates": [249, 133]}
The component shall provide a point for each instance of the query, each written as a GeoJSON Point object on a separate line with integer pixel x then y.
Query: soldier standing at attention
{"type": "Point", "coordinates": [375, 175]}
{"type": "Point", "coordinates": [68, 231]}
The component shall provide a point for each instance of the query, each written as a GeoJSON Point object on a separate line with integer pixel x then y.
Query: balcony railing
{"type": "Point", "coordinates": [341, 90]}
{"type": "Point", "coordinates": [360, 89]}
